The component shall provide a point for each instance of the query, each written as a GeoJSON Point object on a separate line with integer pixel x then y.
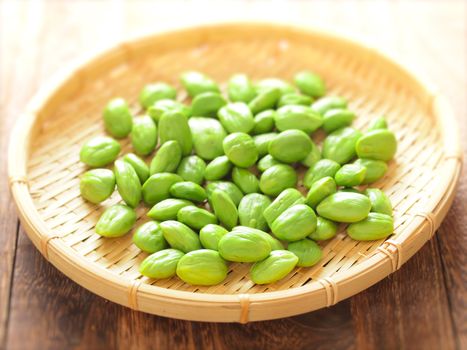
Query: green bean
{"type": "Point", "coordinates": [188, 190]}
{"type": "Point", "coordinates": [99, 151]}
{"type": "Point", "coordinates": [192, 169]}
{"type": "Point", "coordinates": [264, 122]}
{"type": "Point", "coordinates": [166, 159]}
{"type": "Point", "coordinates": [97, 185]}
{"type": "Point", "coordinates": [240, 149]}
{"type": "Point", "coordinates": [148, 237]}
{"type": "Point", "coordinates": [308, 252]}
{"type": "Point", "coordinates": [162, 264]}
{"type": "Point", "coordinates": [141, 168]}
{"type": "Point", "coordinates": [208, 135]}
{"type": "Point", "coordinates": [207, 104]}
{"type": "Point", "coordinates": [241, 89]}
{"type": "Point", "coordinates": [224, 208]}
{"type": "Point", "coordinates": [174, 126]}
{"type": "Point", "coordinates": [118, 120]}
{"type": "Point", "coordinates": [196, 83]}
{"type": "Point", "coordinates": [116, 221]}
{"type": "Point", "coordinates": [277, 178]}
{"type": "Point", "coordinates": [128, 184]}
{"type": "Point", "coordinates": [310, 84]}
{"type": "Point", "coordinates": [144, 135]}
{"type": "Point", "coordinates": [245, 180]}
{"type": "Point", "coordinates": [155, 92]}
{"type": "Point", "coordinates": [290, 146]}
{"type": "Point", "coordinates": [202, 267]}
{"type": "Point", "coordinates": [218, 168]}
{"type": "Point", "coordinates": [274, 268]}
{"type": "Point", "coordinates": [236, 117]}
{"type": "Point", "coordinates": [298, 117]}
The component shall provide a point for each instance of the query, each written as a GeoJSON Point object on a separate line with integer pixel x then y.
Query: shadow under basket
{"type": "Point", "coordinates": [44, 167]}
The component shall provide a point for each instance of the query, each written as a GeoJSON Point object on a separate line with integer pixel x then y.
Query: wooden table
{"type": "Point", "coordinates": [422, 306]}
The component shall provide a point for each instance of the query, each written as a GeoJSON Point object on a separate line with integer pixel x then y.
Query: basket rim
{"type": "Point", "coordinates": [381, 264]}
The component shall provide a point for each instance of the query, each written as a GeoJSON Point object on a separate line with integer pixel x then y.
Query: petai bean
{"type": "Point", "coordinates": [319, 190]}
{"type": "Point", "coordinates": [262, 142]}
{"type": "Point", "coordinates": [236, 117]}
{"type": "Point", "coordinates": [310, 84]}
{"type": "Point", "coordinates": [144, 135]}
{"type": "Point", "coordinates": [99, 151]}
{"type": "Point", "coordinates": [208, 135]}
{"type": "Point", "coordinates": [251, 211]}
{"type": "Point", "coordinates": [97, 185]}
{"type": "Point", "coordinates": [157, 187]}
{"type": "Point", "coordinates": [174, 126]}
{"type": "Point", "coordinates": [277, 178]}
{"type": "Point", "coordinates": [188, 190]}
{"type": "Point", "coordinates": [290, 146]}
{"type": "Point", "coordinates": [118, 120]}
{"type": "Point", "coordinates": [162, 264]}
{"type": "Point", "coordinates": [196, 217]}
{"type": "Point", "coordinates": [196, 83]}
{"type": "Point", "coordinates": [207, 104]}
{"type": "Point", "coordinates": [240, 149]}
{"type": "Point", "coordinates": [245, 180]}
{"type": "Point", "coordinates": [192, 169]}
{"type": "Point", "coordinates": [141, 168]}
{"type": "Point", "coordinates": [128, 184]}
{"type": "Point", "coordinates": [218, 168]}
{"type": "Point", "coordinates": [275, 267]}
{"type": "Point", "coordinates": [297, 117]}
{"type": "Point", "coordinates": [202, 267]}
{"type": "Point", "coordinates": [264, 122]}
{"type": "Point", "coordinates": [155, 92]}
{"type": "Point", "coordinates": [116, 221]}
{"type": "Point", "coordinates": [283, 201]}
{"type": "Point", "coordinates": [240, 88]}
{"type": "Point", "coordinates": [344, 207]}
{"type": "Point", "coordinates": [166, 159]}
{"type": "Point", "coordinates": [180, 236]}
{"type": "Point", "coordinates": [148, 237]}
{"type": "Point", "coordinates": [325, 229]}
{"type": "Point", "coordinates": [224, 208]}
{"type": "Point", "coordinates": [295, 223]}
{"type": "Point", "coordinates": [308, 252]}
{"type": "Point", "coordinates": [210, 235]}
{"type": "Point", "coordinates": [167, 209]}
{"type": "Point", "coordinates": [244, 245]}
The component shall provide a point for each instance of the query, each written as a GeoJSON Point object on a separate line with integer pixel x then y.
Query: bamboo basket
{"type": "Point", "coordinates": [44, 167]}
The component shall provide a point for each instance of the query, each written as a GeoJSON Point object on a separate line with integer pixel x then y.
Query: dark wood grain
{"type": "Point", "coordinates": [10, 104]}
{"type": "Point", "coordinates": [408, 310]}
{"type": "Point", "coordinates": [48, 311]}
{"type": "Point", "coordinates": [420, 306]}
{"type": "Point", "coordinates": [452, 247]}
{"type": "Point", "coordinates": [424, 304]}
{"type": "Point", "coordinates": [451, 237]}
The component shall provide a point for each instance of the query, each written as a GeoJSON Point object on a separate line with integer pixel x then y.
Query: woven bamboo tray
{"type": "Point", "coordinates": [44, 167]}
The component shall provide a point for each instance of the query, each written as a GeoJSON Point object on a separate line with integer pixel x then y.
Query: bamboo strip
{"type": "Point", "coordinates": [44, 166]}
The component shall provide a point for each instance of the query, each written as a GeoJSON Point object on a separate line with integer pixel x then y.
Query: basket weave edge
{"type": "Point", "coordinates": [317, 294]}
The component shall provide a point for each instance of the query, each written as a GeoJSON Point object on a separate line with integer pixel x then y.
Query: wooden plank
{"type": "Point", "coordinates": [13, 94]}
{"type": "Point", "coordinates": [51, 312]}
{"type": "Point", "coordinates": [21, 73]}
{"type": "Point", "coordinates": [47, 307]}
{"type": "Point", "coordinates": [415, 308]}
{"type": "Point", "coordinates": [451, 240]}
{"type": "Point", "coordinates": [408, 310]}
{"type": "Point", "coordinates": [445, 64]}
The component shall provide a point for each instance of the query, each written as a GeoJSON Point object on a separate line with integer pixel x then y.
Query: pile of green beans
{"type": "Point", "coordinates": [220, 176]}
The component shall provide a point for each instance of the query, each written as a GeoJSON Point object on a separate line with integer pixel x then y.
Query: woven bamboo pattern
{"type": "Point", "coordinates": [44, 167]}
